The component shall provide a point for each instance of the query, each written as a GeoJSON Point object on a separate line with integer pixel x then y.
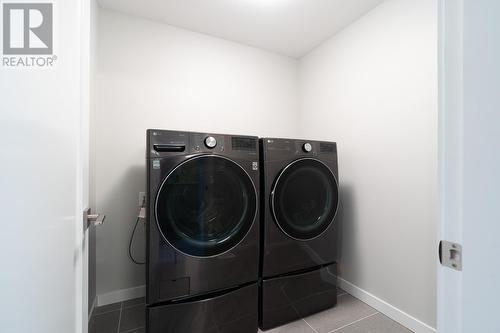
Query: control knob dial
{"type": "Point", "coordinates": [307, 147]}
{"type": "Point", "coordinates": [210, 142]}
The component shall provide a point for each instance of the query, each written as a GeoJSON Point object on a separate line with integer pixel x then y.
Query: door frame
{"type": "Point", "coordinates": [469, 132]}
{"type": "Point", "coordinates": [88, 13]}
{"type": "Point", "coordinates": [450, 151]}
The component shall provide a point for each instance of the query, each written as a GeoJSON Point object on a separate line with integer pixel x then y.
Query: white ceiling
{"type": "Point", "coordinates": [289, 27]}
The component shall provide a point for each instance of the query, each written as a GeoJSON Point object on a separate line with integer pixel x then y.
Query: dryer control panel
{"type": "Point", "coordinates": [282, 148]}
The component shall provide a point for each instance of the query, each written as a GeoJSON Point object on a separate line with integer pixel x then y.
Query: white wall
{"type": "Point", "coordinates": [151, 75]}
{"type": "Point", "coordinates": [373, 89]}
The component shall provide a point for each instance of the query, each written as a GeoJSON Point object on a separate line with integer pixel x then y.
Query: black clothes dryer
{"type": "Point", "coordinates": [202, 232]}
{"type": "Point", "coordinates": [299, 238]}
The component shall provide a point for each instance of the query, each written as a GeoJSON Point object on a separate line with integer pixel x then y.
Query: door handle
{"type": "Point", "coordinates": [89, 218]}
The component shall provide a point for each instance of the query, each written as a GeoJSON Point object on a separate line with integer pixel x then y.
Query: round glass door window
{"type": "Point", "coordinates": [206, 206]}
{"type": "Point", "coordinates": [304, 200]}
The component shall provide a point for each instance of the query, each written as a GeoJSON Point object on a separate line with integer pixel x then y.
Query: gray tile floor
{"type": "Point", "coordinates": [349, 316]}
{"type": "Point", "coordinates": [123, 317]}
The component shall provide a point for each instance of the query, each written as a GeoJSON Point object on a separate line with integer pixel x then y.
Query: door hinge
{"type": "Point", "coordinates": [450, 255]}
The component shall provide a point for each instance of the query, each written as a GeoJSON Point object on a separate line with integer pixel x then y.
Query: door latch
{"type": "Point", "coordinates": [450, 255]}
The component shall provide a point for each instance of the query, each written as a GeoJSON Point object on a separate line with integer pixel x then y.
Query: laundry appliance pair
{"type": "Point", "coordinates": [240, 231]}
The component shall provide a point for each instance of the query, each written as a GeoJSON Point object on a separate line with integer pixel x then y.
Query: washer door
{"type": "Point", "coordinates": [206, 206]}
{"type": "Point", "coordinates": [304, 199]}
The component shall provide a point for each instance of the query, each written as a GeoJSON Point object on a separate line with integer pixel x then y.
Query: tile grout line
{"type": "Point", "coordinates": [120, 318]}
{"type": "Point", "coordinates": [134, 305]}
{"type": "Point", "coordinates": [310, 325]}
{"type": "Point", "coordinates": [134, 329]}
{"type": "Point", "coordinates": [354, 322]}
{"type": "Point", "coordinates": [105, 312]}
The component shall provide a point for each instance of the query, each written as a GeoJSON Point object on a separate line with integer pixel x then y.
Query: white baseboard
{"type": "Point", "coordinates": [387, 309]}
{"type": "Point", "coordinates": [120, 295]}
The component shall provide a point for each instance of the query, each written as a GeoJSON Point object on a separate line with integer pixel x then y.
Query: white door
{"type": "Point", "coordinates": [43, 164]}
{"type": "Point", "coordinates": [470, 163]}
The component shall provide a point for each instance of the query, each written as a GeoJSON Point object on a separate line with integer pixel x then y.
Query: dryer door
{"type": "Point", "coordinates": [304, 199]}
{"type": "Point", "coordinates": [206, 206]}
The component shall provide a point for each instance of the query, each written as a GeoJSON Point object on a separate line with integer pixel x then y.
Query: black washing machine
{"type": "Point", "coordinates": [299, 236]}
{"type": "Point", "coordinates": [202, 232]}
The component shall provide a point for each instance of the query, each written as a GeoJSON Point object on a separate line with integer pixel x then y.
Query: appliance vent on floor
{"type": "Point", "coordinates": [247, 144]}
{"type": "Point", "coordinates": [326, 147]}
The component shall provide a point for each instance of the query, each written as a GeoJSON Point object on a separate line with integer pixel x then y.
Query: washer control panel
{"type": "Point", "coordinates": [166, 143]}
